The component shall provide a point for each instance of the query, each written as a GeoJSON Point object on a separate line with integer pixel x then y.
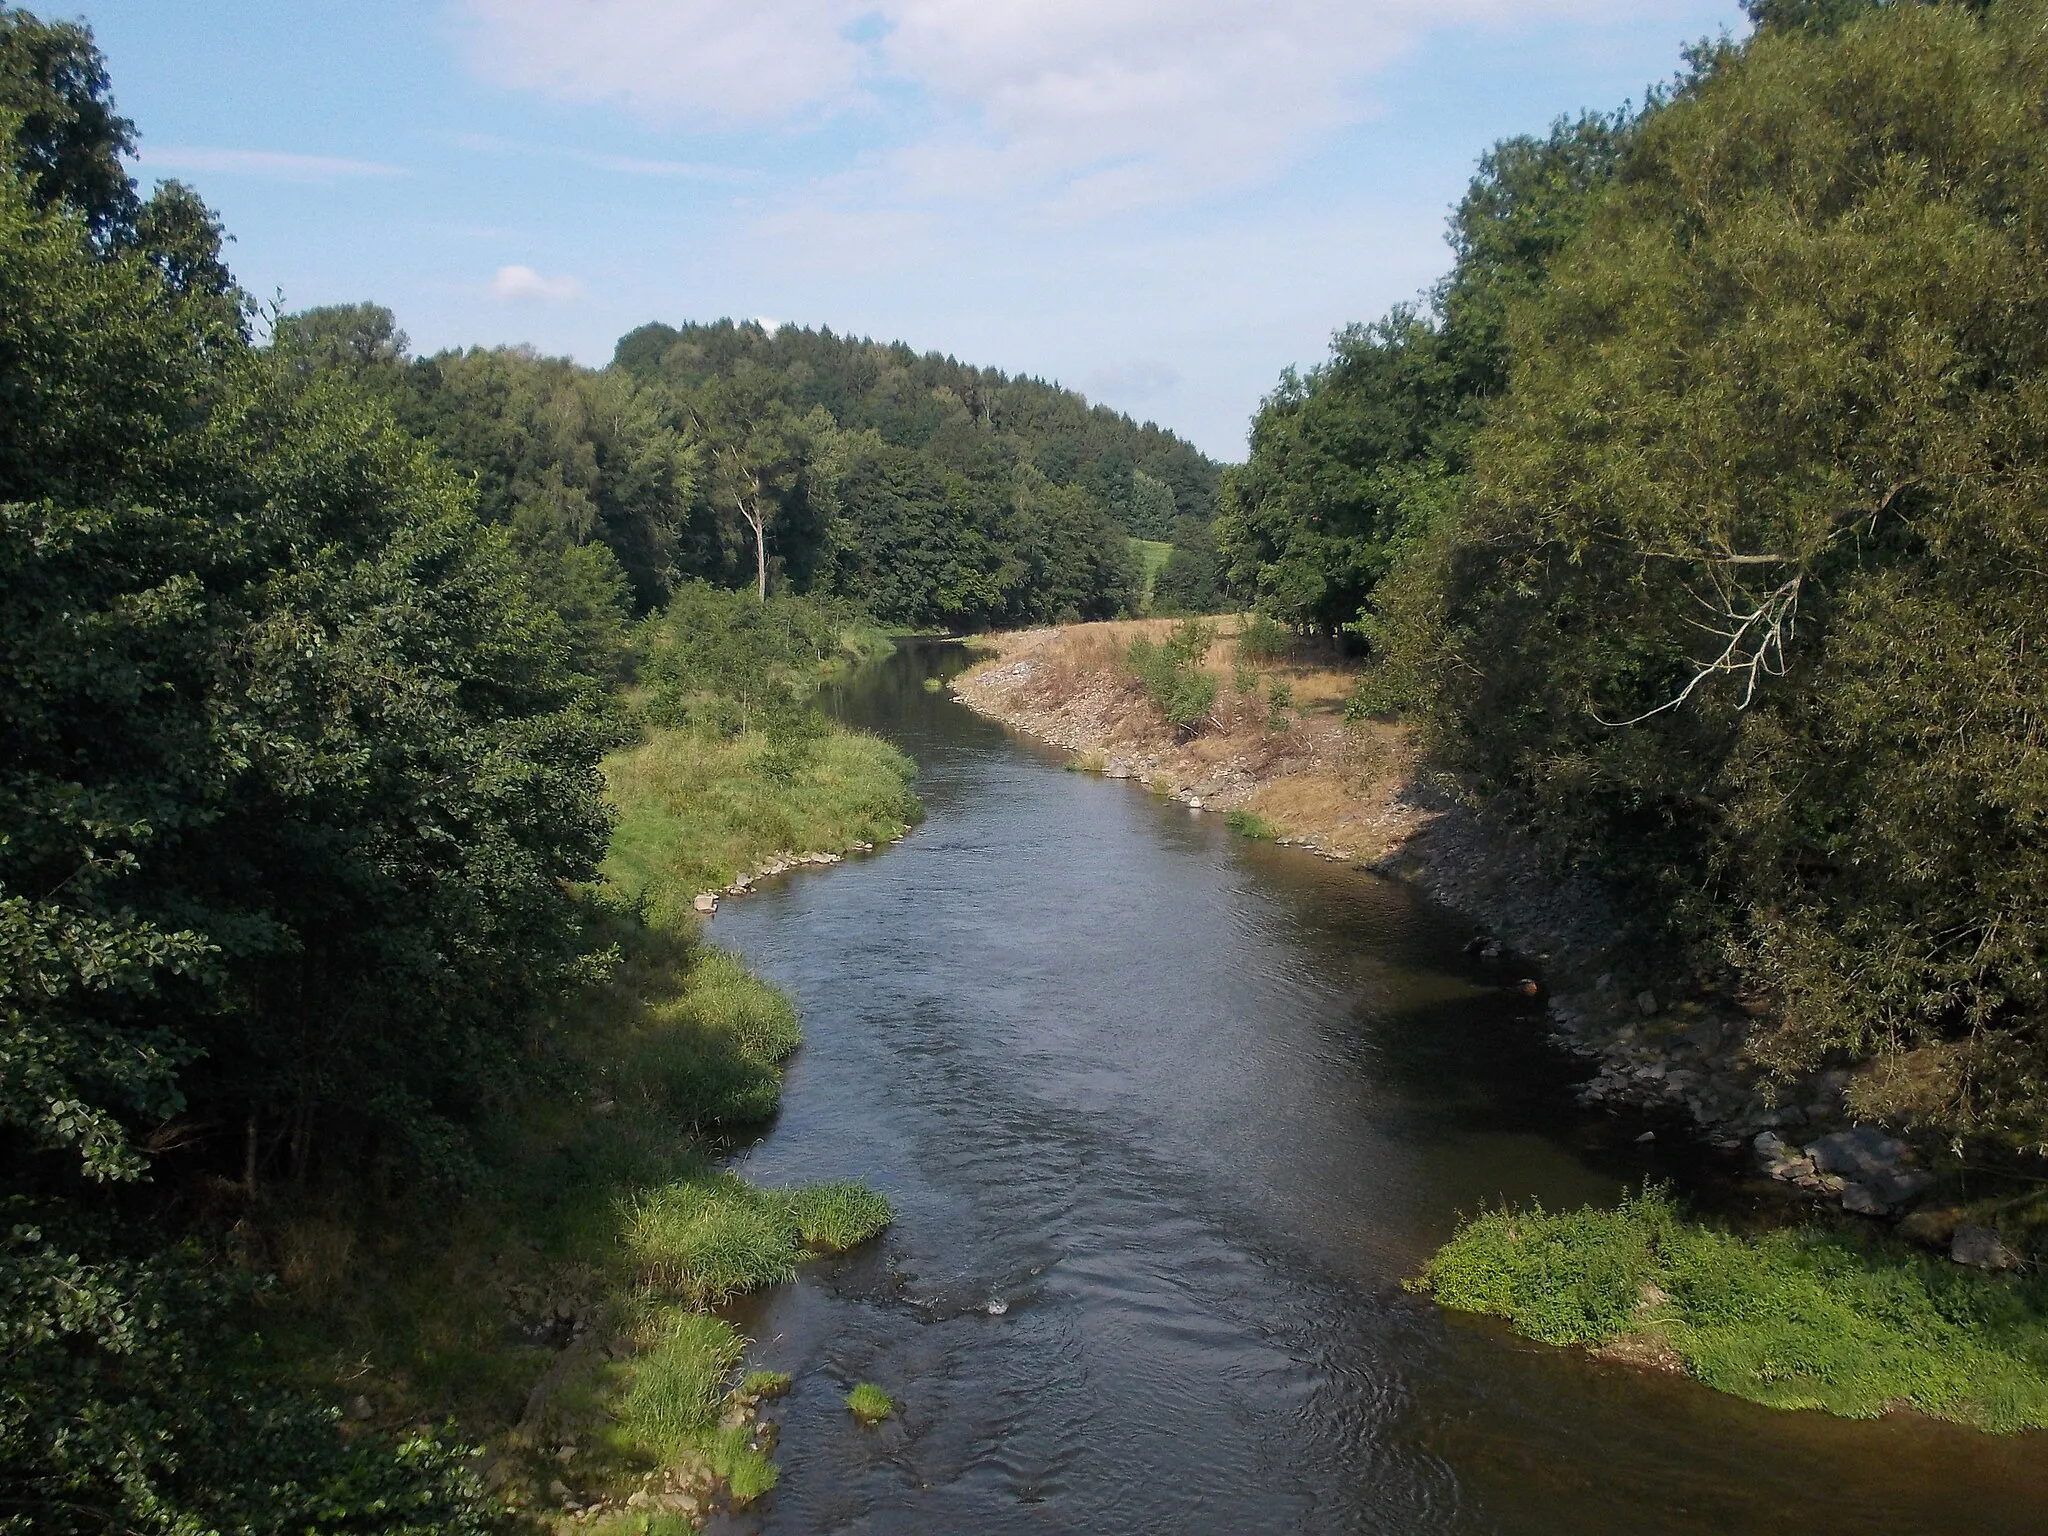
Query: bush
{"type": "Point", "coordinates": [1262, 639]}
{"type": "Point", "coordinates": [1173, 676]}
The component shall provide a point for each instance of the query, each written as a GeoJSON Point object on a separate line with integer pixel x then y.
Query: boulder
{"type": "Point", "coordinates": [1857, 1152]}
{"type": "Point", "coordinates": [1646, 1003]}
{"type": "Point", "coordinates": [1981, 1248]}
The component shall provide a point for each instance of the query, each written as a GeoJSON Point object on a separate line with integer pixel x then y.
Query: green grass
{"type": "Point", "coordinates": [678, 1385]}
{"type": "Point", "coordinates": [765, 1384]}
{"type": "Point", "coordinates": [1797, 1319]}
{"type": "Point", "coordinates": [705, 1240]}
{"type": "Point", "coordinates": [869, 1403]}
{"type": "Point", "coordinates": [696, 810]}
{"type": "Point", "coordinates": [1152, 555]}
{"type": "Point", "coordinates": [1250, 824]}
{"type": "Point", "coordinates": [837, 1216]}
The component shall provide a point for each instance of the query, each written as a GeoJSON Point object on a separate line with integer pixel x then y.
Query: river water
{"type": "Point", "coordinates": [1167, 1116]}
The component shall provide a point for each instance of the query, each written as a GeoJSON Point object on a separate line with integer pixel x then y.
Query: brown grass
{"type": "Point", "coordinates": [1334, 786]}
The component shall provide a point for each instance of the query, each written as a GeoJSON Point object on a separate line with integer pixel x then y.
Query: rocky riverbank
{"type": "Point", "coordinates": [1663, 1043]}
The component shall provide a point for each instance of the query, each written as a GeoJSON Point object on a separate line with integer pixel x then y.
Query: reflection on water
{"type": "Point", "coordinates": [1167, 1116]}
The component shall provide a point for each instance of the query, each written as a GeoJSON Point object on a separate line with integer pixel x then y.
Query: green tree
{"type": "Point", "coordinates": [1743, 609]}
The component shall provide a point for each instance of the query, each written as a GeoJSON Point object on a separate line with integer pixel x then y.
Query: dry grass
{"type": "Point", "coordinates": [1335, 786]}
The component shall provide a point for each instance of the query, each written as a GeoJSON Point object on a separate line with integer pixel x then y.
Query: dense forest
{"type": "Point", "coordinates": [1697, 517]}
{"type": "Point", "coordinates": [934, 494]}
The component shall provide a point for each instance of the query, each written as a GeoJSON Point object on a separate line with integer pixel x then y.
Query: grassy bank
{"type": "Point", "coordinates": [558, 1311]}
{"type": "Point", "coordinates": [1801, 1319]}
{"type": "Point", "coordinates": [697, 809]}
{"type": "Point", "coordinates": [557, 1304]}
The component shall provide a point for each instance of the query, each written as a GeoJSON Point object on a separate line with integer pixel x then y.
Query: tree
{"type": "Point", "coordinates": [1743, 606]}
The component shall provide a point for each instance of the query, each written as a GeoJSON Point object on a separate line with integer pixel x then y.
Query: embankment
{"type": "Point", "coordinates": [558, 1309]}
{"type": "Point", "coordinates": [1277, 755]}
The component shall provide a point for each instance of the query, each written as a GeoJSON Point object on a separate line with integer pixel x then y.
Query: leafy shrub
{"type": "Point", "coordinates": [1279, 700]}
{"type": "Point", "coordinates": [1172, 673]}
{"type": "Point", "coordinates": [1263, 639]}
{"type": "Point", "coordinates": [131, 1400]}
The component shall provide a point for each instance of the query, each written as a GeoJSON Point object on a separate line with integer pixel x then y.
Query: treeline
{"type": "Point", "coordinates": [298, 778]}
{"type": "Point", "coordinates": [934, 494]}
{"type": "Point", "coordinates": [1699, 516]}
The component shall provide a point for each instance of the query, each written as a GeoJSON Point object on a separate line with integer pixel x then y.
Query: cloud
{"type": "Point", "coordinates": [1136, 379]}
{"type": "Point", "coordinates": [1086, 106]}
{"type": "Point", "coordinates": [269, 164]}
{"type": "Point", "coordinates": [517, 283]}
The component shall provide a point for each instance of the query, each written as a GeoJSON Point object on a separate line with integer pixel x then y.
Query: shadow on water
{"type": "Point", "coordinates": [1167, 1117]}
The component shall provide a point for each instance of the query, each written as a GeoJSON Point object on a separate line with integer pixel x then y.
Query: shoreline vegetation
{"type": "Point", "coordinates": [1846, 1315]}
{"type": "Point", "coordinates": [566, 1319]}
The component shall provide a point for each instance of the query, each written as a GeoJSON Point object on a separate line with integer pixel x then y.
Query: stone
{"type": "Point", "coordinates": [1934, 1228]}
{"type": "Point", "coordinates": [359, 1408]}
{"type": "Point", "coordinates": [707, 901]}
{"type": "Point", "coordinates": [1866, 1156]}
{"type": "Point", "coordinates": [1981, 1248]}
{"type": "Point", "coordinates": [1862, 1200]}
{"type": "Point", "coordinates": [1646, 1003]}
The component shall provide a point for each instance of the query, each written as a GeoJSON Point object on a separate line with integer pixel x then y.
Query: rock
{"type": "Point", "coordinates": [1867, 1158]}
{"type": "Point", "coordinates": [1490, 950]}
{"type": "Point", "coordinates": [1862, 1200]}
{"type": "Point", "coordinates": [1934, 1228]}
{"type": "Point", "coordinates": [1981, 1248]}
{"type": "Point", "coordinates": [359, 1408]}
{"type": "Point", "coordinates": [1646, 1003]}
{"type": "Point", "coordinates": [1646, 1137]}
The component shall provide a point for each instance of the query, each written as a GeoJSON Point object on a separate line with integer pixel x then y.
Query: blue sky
{"type": "Point", "coordinates": [1160, 202]}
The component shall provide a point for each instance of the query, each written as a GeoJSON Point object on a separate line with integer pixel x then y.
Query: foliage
{"type": "Point", "coordinates": [678, 1385]}
{"type": "Point", "coordinates": [1279, 700]}
{"type": "Point", "coordinates": [1191, 580]}
{"type": "Point", "coordinates": [705, 1240]}
{"type": "Point", "coordinates": [1795, 1319]}
{"type": "Point", "coordinates": [869, 1403]}
{"type": "Point", "coordinates": [1352, 465]}
{"type": "Point", "coordinates": [1743, 606]}
{"type": "Point", "coordinates": [1250, 824]}
{"type": "Point", "coordinates": [723, 661]}
{"type": "Point", "coordinates": [934, 495]}
{"type": "Point", "coordinates": [1172, 673]}
{"type": "Point", "coordinates": [128, 1403]}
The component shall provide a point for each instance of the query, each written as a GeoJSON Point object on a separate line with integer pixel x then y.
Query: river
{"type": "Point", "coordinates": [1167, 1116]}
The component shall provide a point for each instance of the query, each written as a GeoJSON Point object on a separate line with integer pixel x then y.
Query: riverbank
{"type": "Point", "coordinates": [1664, 1044]}
{"type": "Point", "coordinates": [561, 1309]}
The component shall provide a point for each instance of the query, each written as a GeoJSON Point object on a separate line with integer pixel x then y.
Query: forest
{"type": "Point", "coordinates": [934, 494]}
{"type": "Point", "coordinates": [1696, 518]}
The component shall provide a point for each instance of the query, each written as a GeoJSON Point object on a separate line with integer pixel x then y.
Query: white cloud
{"type": "Point", "coordinates": [517, 283]}
{"type": "Point", "coordinates": [269, 164]}
{"type": "Point", "coordinates": [1085, 106]}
